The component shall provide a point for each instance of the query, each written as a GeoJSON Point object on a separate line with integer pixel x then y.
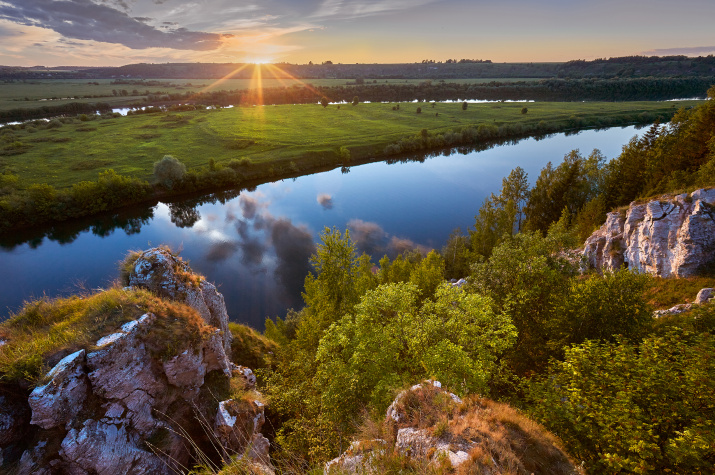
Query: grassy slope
{"type": "Point", "coordinates": [130, 145]}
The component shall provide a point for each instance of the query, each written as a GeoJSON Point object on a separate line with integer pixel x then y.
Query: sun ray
{"type": "Point", "coordinates": [302, 83]}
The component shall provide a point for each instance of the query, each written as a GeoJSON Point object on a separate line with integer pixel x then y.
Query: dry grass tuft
{"type": "Point", "coordinates": [667, 292]}
{"type": "Point", "coordinates": [46, 330]}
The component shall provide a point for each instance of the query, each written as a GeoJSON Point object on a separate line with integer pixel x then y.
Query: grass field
{"type": "Point", "coordinates": [78, 150]}
{"type": "Point", "coordinates": [37, 93]}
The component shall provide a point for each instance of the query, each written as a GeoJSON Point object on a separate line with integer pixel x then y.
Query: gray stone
{"type": "Point", "coordinates": [704, 295]}
{"type": "Point", "coordinates": [168, 276]}
{"type": "Point", "coordinates": [58, 402]}
{"type": "Point", "coordinates": [672, 236]}
{"type": "Point", "coordinates": [107, 449]}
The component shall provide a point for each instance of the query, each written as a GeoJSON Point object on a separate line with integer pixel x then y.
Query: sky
{"type": "Point", "coordinates": [118, 32]}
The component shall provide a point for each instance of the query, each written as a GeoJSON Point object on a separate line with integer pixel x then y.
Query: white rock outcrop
{"type": "Point", "coordinates": [671, 236]}
{"type": "Point", "coordinates": [170, 277]}
{"type": "Point", "coordinates": [135, 403]}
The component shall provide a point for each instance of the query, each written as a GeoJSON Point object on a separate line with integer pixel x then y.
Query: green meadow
{"type": "Point", "coordinates": [65, 152]}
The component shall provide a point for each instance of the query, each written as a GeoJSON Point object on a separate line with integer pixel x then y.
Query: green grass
{"type": "Point", "coordinates": [130, 145]}
{"type": "Point", "coordinates": [667, 292]}
{"type": "Point", "coordinates": [47, 329]}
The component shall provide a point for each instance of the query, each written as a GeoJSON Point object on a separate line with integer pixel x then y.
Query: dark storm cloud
{"type": "Point", "coordinates": [85, 20]}
{"type": "Point", "coordinates": [294, 246]}
{"type": "Point", "coordinates": [325, 200]}
{"type": "Point", "coordinates": [221, 251]}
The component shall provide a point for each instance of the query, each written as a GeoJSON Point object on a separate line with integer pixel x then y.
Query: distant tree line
{"type": "Point", "coordinates": [73, 108]}
{"type": "Point", "coordinates": [628, 66]}
{"type": "Point", "coordinates": [646, 89]}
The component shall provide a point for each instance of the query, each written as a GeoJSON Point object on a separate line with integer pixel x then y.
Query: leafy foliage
{"type": "Point", "coordinates": [392, 341]}
{"type": "Point", "coordinates": [169, 171]}
{"type": "Point", "coordinates": [626, 408]}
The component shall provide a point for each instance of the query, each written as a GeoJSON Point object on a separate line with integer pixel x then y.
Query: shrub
{"type": "Point", "coordinates": [168, 171]}
{"type": "Point", "coordinates": [419, 110]}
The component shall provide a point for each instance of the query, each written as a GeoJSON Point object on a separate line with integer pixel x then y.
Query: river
{"type": "Point", "coordinates": [255, 245]}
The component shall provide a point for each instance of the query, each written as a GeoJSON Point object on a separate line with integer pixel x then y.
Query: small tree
{"type": "Point", "coordinates": [464, 105]}
{"type": "Point", "coordinates": [419, 110]}
{"type": "Point", "coordinates": [355, 100]}
{"type": "Point", "coordinates": [524, 110]}
{"type": "Point", "coordinates": [324, 102]}
{"type": "Point", "coordinates": [168, 171]}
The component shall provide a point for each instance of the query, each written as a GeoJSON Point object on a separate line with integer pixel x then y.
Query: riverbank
{"type": "Point", "coordinates": [50, 168]}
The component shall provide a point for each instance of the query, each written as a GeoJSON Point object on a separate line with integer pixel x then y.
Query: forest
{"type": "Point", "coordinates": [581, 353]}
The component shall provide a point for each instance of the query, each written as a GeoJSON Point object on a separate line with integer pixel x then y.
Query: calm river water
{"type": "Point", "coordinates": [255, 246]}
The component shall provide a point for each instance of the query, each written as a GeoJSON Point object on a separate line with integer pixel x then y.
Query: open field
{"type": "Point", "coordinates": [75, 151]}
{"type": "Point", "coordinates": [37, 93]}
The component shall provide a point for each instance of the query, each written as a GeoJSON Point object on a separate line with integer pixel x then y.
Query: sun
{"type": "Point", "coordinates": [260, 61]}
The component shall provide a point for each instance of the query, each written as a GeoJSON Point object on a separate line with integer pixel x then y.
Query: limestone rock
{"type": "Point", "coordinates": [186, 370]}
{"type": "Point", "coordinates": [357, 458]}
{"type": "Point", "coordinates": [672, 236]}
{"type": "Point", "coordinates": [59, 401]}
{"type": "Point", "coordinates": [393, 411]}
{"type": "Point", "coordinates": [245, 375]}
{"type": "Point", "coordinates": [107, 449]}
{"type": "Point", "coordinates": [704, 295]}
{"type": "Point", "coordinates": [482, 437]}
{"type": "Point", "coordinates": [237, 429]}
{"type": "Point", "coordinates": [168, 276]}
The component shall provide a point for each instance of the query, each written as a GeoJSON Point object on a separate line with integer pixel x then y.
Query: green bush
{"type": "Point", "coordinates": [627, 408]}
{"type": "Point", "coordinates": [169, 171]}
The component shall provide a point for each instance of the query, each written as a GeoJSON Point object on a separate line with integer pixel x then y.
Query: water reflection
{"type": "Point", "coordinates": [255, 243]}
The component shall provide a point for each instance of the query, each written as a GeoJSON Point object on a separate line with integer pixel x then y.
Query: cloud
{"type": "Point", "coordinates": [252, 251]}
{"type": "Point", "coordinates": [368, 237]}
{"type": "Point", "coordinates": [699, 50]}
{"type": "Point", "coordinates": [85, 20]}
{"type": "Point", "coordinates": [325, 200]}
{"type": "Point", "coordinates": [293, 246]}
{"type": "Point", "coordinates": [221, 251]}
{"type": "Point", "coordinates": [352, 9]}
{"type": "Point", "coordinates": [402, 245]}
{"type": "Point", "coordinates": [249, 204]}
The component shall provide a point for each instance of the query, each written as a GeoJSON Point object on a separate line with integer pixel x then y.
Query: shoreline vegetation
{"type": "Point", "coordinates": [50, 168]}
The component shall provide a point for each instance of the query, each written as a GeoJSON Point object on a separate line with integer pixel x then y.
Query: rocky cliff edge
{"type": "Point", "coordinates": [669, 236]}
{"type": "Point", "coordinates": [146, 398]}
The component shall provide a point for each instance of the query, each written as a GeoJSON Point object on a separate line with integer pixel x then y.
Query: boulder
{"type": "Point", "coordinates": [168, 276]}
{"type": "Point", "coordinates": [357, 458]}
{"type": "Point", "coordinates": [671, 236]}
{"type": "Point", "coordinates": [107, 449]}
{"type": "Point", "coordinates": [440, 432]}
{"type": "Point", "coordinates": [704, 295]}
